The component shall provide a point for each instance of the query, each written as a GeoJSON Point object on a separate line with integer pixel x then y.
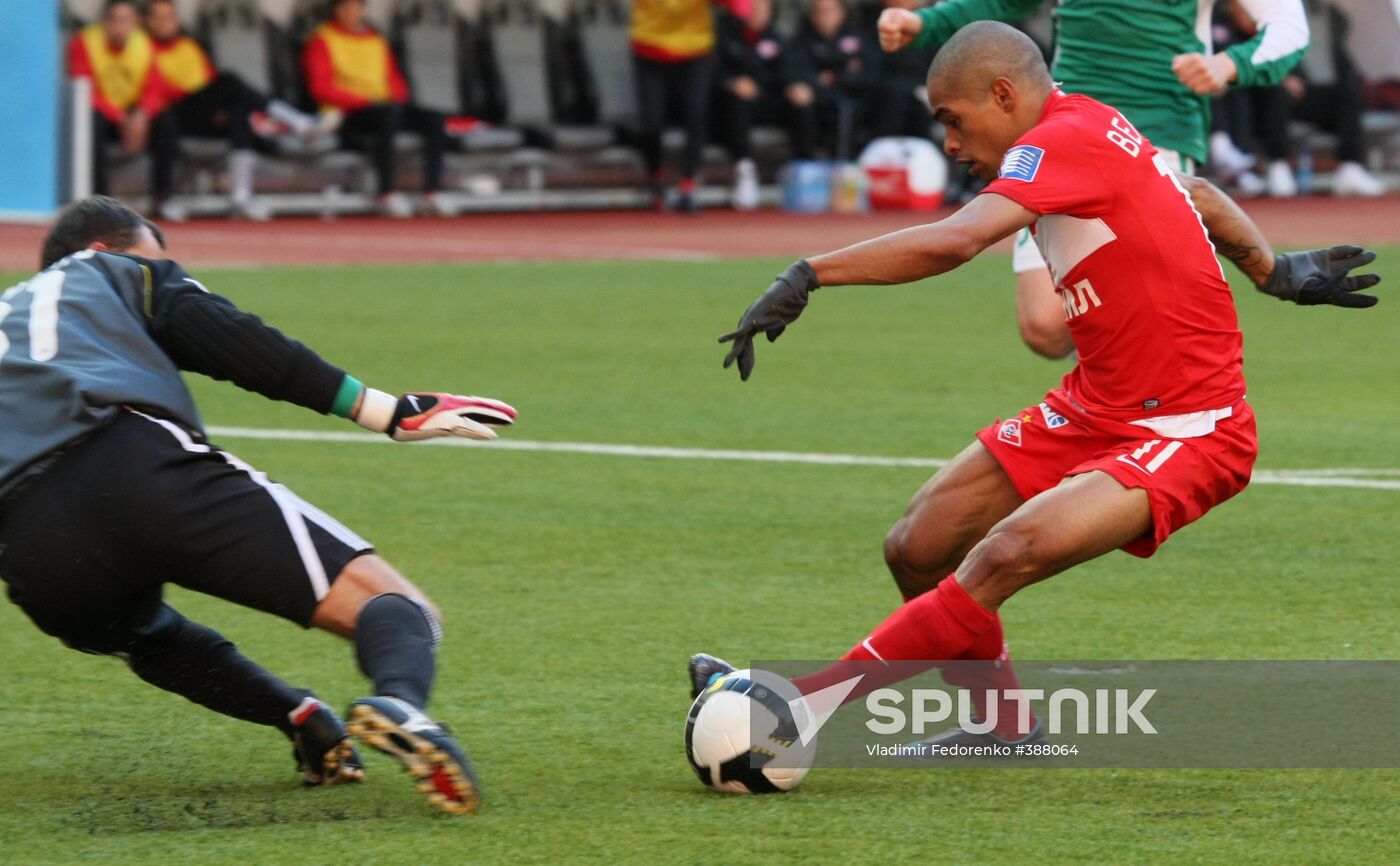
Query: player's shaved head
{"type": "Point", "coordinates": [983, 51]}
{"type": "Point", "coordinates": [987, 87]}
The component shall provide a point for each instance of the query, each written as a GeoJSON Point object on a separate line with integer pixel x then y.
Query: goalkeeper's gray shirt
{"type": "Point", "coordinates": [99, 331]}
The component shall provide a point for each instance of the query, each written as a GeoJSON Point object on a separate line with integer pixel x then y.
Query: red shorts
{"type": "Point", "coordinates": [1184, 478]}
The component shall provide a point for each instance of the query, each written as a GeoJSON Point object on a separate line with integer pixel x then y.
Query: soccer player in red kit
{"type": "Point", "coordinates": [1148, 432]}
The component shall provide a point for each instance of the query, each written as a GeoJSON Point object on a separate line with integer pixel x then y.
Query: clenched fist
{"type": "Point", "coordinates": [897, 28]}
{"type": "Point", "coordinates": [1205, 74]}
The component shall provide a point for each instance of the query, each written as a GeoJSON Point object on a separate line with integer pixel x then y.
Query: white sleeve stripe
{"type": "Point", "coordinates": [1203, 14]}
{"type": "Point", "coordinates": [1284, 25]}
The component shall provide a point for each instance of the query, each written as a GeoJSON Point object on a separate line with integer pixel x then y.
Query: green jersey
{"type": "Point", "coordinates": [1120, 53]}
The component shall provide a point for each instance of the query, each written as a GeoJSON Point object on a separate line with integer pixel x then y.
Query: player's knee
{"type": "Point", "coordinates": [430, 610]}
{"type": "Point", "coordinates": [914, 569]}
{"type": "Point", "coordinates": [393, 610]}
{"type": "Point", "coordinates": [898, 555]}
{"type": "Point", "coordinates": [1007, 558]}
{"type": "Point", "coordinates": [1006, 554]}
{"type": "Point", "coordinates": [421, 602]}
{"type": "Point", "coordinates": [166, 635]}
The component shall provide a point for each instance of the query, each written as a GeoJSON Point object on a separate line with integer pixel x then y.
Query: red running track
{"type": "Point", "coordinates": [1312, 221]}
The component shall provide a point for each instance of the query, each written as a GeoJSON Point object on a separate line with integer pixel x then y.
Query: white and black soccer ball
{"type": "Point", "coordinates": [741, 736]}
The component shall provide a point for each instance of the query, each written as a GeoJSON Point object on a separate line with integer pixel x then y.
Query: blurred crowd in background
{"type": "Point", "coordinates": [258, 107]}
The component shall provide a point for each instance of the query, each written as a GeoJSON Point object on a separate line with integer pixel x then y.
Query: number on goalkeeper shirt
{"type": "Point", "coordinates": [46, 290]}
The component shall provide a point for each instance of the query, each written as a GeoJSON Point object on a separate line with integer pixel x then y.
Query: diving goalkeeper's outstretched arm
{"type": "Point", "coordinates": [205, 333]}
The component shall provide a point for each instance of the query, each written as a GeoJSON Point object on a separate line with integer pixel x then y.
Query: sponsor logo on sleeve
{"type": "Point", "coordinates": [1021, 163]}
{"type": "Point", "coordinates": [1010, 432]}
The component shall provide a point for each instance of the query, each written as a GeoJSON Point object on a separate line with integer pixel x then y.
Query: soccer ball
{"type": "Point", "coordinates": [741, 736]}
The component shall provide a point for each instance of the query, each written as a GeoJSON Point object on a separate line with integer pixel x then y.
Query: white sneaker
{"type": "Point", "coordinates": [327, 123]}
{"type": "Point", "coordinates": [1227, 159]}
{"type": "Point", "coordinates": [1352, 179]}
{"type": "Point", "coordinates": [1249, 185]}
{"type": "Point", "coordinates": [439, 204]}
{"type": "Point", "coordinates": [395, 205]}
{"type": "Point", "coordinates": [1279, 181]}
{"type": "Point", "coordinates": [252, 209]}
{"type": "Point", "coordinates": [172, 211]}
{"type": "Point", "coordinates": [745, 196]}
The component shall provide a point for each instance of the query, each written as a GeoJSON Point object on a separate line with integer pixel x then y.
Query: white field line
{"type": "Point", "coordinates": [498, 251]}
{"type": "Point", "coordinates": [587, 448]}
{"type": "Point", "coordinates": [1332, 477]}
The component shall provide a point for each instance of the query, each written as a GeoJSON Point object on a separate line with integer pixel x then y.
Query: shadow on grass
{"type": "Point", "coordinates": [111, 810]}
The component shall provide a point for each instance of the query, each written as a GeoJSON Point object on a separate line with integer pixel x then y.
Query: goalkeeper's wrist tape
{"type": "Point", "coordinates": [377, 411]}
{"type": "Point", "coordinates": [376, 408]}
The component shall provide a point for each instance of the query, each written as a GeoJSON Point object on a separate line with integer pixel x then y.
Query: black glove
{"type": "Point", "coordinates": [1320, 277]}
{"type": "Point", "coordinates": [771, 313]}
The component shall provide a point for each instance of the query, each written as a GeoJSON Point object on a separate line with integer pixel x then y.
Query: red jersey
{"type": "Point", "coordinates": [350, 70]}
{"type": "Point", "coordinates": [1144, 296]}
{"type": "Point", "coordinates": [183, 66]}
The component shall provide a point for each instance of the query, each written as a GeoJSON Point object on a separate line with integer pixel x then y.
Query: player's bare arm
{"type": "Point", "coordinates": [899, 257]}
{"type": "Point", "coordinates": [1233, 233]}
{"type": "Point", "coordinates": [924, 251]}
{"type": "Point", "coordinates": [1308, 278]}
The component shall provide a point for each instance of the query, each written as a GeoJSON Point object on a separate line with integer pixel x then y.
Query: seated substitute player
{"type": "Point", "coordinates": [98, 418]}
{"type": "Point", "coordinates": [832, 67]}
{"type": "Point", "coordinates": [752, 80]}
{"type": "Point", "coordinates": [202, 100]}
{"type": "Point", "coordinates": [1145, 435]}
{"type": "Point", "coordinates": [351, 72]}
{"type": "Point", "coordinates": [116, 56]}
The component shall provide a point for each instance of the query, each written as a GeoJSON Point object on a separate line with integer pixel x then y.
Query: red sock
{"type": "Point", "coordinates": [938, 625]}
{"type": "Point", "coordinates": [686, 184]}
{"type": "Point", "coordinates": [994, 671]}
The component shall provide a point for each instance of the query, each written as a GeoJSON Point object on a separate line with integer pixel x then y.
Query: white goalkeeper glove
{"type": "Point", "coordinates": [424, 415]}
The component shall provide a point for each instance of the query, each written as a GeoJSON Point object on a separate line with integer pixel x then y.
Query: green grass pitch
{"type": "Point", "coordinates": [575, 586]}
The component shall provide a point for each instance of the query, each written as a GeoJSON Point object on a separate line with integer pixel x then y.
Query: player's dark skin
{"type": "Point", "coordinates": [969, 518]}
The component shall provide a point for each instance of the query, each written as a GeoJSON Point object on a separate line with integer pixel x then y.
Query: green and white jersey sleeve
{"type": "Point", "coordinates": [1281, 41]}
{"type": "Point", "coordinates": [1121, 53]}
{"type": "Point", "coordinates": [944, 19]}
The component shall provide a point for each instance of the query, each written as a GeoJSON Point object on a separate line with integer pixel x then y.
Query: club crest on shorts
{"type": "Point", "coordinates": [1010, 432]}
{"type": "Point", "coordinates": [1021, 163]}
{"type": "Point", "coordinates": [1052, 418]}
